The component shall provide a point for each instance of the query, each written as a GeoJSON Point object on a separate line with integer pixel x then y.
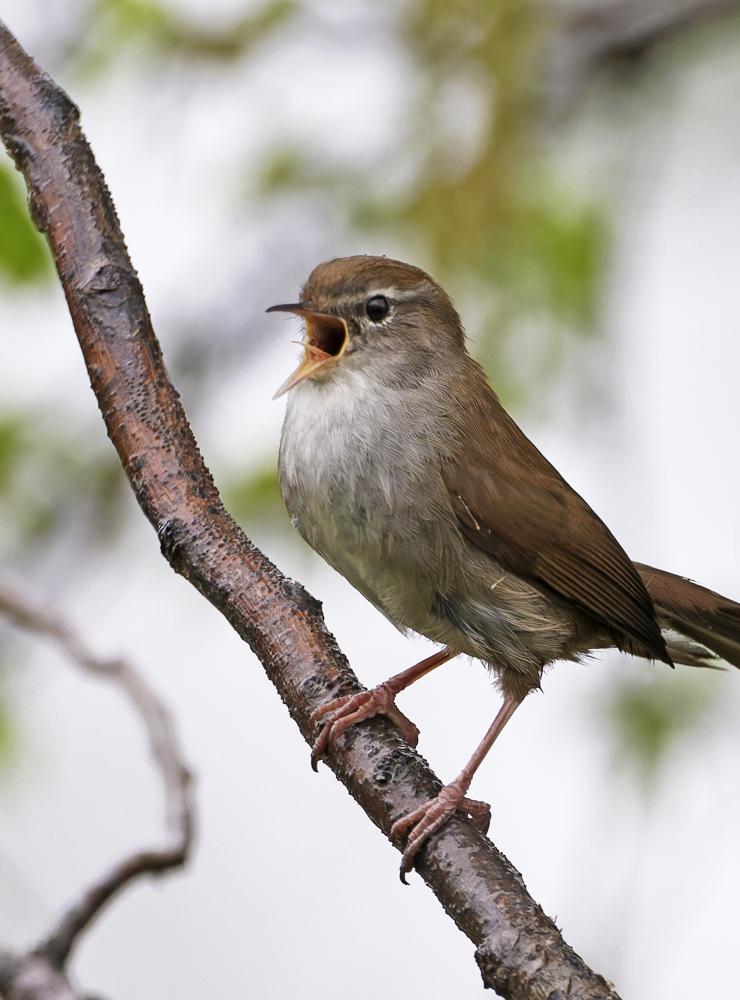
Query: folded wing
{"type": "Point", "coordinates": [511, 503]}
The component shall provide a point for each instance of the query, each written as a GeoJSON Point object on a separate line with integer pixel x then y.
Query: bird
{"type": "Point", "coordinates": [401, 468]}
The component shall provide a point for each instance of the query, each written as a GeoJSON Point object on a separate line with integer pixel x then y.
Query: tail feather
{"type": "Point", "coordinates": [695, 613]}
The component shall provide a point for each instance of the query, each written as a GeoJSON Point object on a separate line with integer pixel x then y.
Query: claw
{"type": "Point", "coordinates": [342, 713]}
{"type": "Point", "coordinates": [431, 816]}
{"type": "Point", "coordinates": [479, 813]}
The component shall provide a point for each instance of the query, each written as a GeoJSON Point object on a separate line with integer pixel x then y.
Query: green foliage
{"type": "Point", "coordinates": [7, 740]}
{"type": "Point", "coordinates": [8, 733]}
{"type": "Point", "coordinates": [11, 446]}
{"type": "Point", "coordinates": [648, 716]}
{"type": "Point", "coordinates": [555, 259]}
{"type": "Point", "coordinates": [50, 476]}
{"type": "Point", "coordinates": [503, 218]}
{"type": "Point", "coordinates": [492, 219]}
{"type": "Point", "coordinates": [257, 495]}
{"type": "Point", "coordinates": [24, 256]}
{"type": "Point", "coordinates": [285, 168]}
{"type": "Point", "coordinates": [113, 22]}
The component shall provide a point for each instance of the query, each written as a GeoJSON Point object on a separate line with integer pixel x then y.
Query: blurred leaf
{"type": "Point", "coordinates": [12, 442]}
{"type": "Point", "coordinates": [255, 496]}
{"type": "Point", "coordinates": [137, 17]}
{"type": "Point", "coordinates": [24, 256]}
{"type": "Point", "coordinates": [649, 716]}
{"type": "Point", "coordinates": [555, 259]}
{"type": "Point", "coordinates": [50, 478]}
{"type": "Point", "coordinates": [6, 732]}
{"type": "Point", "coordinates": [113, 22]}
{"type": "Point", "coordinates": [509, 235]}
{"type": "Point", "coordinates": [284, 169]}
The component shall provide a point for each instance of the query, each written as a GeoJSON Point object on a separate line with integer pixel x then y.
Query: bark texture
{"type": "Point", "coordinates": [520, 951]}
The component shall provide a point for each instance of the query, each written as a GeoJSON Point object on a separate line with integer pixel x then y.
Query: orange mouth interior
{"type": "Point", "coordinates": [327, 334]}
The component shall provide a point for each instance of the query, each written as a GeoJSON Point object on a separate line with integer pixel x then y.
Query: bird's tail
{"type": "Point", "coordinates": [698, 625]}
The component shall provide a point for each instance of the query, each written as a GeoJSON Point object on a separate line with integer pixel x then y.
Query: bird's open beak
{"type": "Point", "coordinates": [324, 342]}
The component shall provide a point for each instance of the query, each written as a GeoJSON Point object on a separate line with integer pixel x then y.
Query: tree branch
{"type": "Point", "coordinates": [620, 35]}
{"type": "Point", "coordinates": [34, 977]}
{"type": "Point", "coordinates": [519, 950]}
{"type": "Point", "coordinates": [627, 30]}
{"type": "Point", "coordinates": [40, 974]}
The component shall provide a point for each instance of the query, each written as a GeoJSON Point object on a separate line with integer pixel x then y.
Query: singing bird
{"type": "Point", "coordinates": [399, 465]}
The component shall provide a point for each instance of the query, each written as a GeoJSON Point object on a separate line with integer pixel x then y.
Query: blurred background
{"type": "Point", "coordinates": [570, 174]}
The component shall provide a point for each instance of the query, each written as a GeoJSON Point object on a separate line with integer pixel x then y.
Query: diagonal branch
{"type": "Point", "coordinates": [42, 970]}
{"type": "Point", "coordinates": [520, 951]}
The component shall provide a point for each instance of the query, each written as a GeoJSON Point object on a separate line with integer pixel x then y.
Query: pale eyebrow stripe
{"type": "Point", "coordinates": [390, 292]}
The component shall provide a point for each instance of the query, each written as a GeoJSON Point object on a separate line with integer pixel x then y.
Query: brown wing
{"type": "Point", "coordinates": [511, 503]}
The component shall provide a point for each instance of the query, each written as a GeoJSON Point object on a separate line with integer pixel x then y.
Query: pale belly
{"type": "Point", "coordinates": [389, 530]}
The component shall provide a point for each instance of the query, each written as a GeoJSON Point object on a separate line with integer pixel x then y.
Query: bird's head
{"type": "Point", "coordinates": [362, 311]}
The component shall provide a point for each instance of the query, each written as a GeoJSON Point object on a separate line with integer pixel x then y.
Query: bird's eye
{"type": "Point", "coordinates": [377, 308]}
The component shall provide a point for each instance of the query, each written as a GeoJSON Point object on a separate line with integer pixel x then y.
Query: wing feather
{"type": "Point", "coordinates": [511, 503]}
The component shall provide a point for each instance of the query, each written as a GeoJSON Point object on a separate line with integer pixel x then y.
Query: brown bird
{"type": "Point", "coordinates": [401, 468]}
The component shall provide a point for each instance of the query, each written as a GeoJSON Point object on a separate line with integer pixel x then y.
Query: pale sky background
{"type": "Point", "coordinates": [290, 888]}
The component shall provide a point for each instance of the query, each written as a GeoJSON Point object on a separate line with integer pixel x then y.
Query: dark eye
{"type": "Point", "coordinates": [377, 308]}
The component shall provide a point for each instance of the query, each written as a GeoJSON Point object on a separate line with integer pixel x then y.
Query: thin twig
{"type": "Point", "coordinates": [519, 950]}
{"type": "Point", "coordinates": [34, 617]}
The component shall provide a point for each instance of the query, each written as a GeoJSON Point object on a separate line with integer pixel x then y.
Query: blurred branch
{"type": "Point", "coordinates": [622, 35]}
{"type": "Point", "coordinates": [33, 977]}
{"type": "Point", "coordinates": [44, 965]}
{"type": "Point", "coordinates": [520, 951]}
{"type": "Point", "coordinates": [627, 30]}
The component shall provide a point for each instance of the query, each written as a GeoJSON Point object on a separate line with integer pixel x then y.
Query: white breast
{"type": "Point", "coordinates": [355, 496]}
{"type": "Point", "coordinates": [333, 429]}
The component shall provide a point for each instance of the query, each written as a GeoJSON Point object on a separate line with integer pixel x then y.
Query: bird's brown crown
{"type": "Point", "coordinates": [344, 278]}
{"type": "Point", "coordinates": [421, 309]}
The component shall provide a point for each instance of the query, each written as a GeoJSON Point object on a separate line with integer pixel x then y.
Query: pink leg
{"type": "Point", "coordinates": [341, 713]}
{"type": "Point", "coordinates": [433, 814]}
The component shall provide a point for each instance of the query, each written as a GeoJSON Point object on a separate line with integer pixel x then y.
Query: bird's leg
{"type": "Point", "coordinates": [434, 813]}
{"type": "Point", "coordinates": [341, 713]}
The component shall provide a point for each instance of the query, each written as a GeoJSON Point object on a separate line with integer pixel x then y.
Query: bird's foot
{"type": "Point", "coordinates": [341, 713]}
{"type": "Point", "coordinates": [432, 815]}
